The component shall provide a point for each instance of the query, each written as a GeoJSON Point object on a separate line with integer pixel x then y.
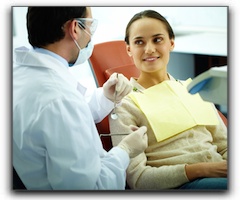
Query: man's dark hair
{"type": "Point", "coordinates": [44, 24]}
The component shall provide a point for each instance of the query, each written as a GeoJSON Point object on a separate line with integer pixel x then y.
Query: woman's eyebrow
{"type": "Point", "coordinates": [159, 34]}
{"type": "Point", "coordinates": [138, 37]}
{"type": "Point", "coordinates": [155, 35]}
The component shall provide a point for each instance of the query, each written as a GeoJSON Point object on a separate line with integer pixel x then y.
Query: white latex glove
{"type": "Point", "coordinates": [136, 142]}
{"type": "Point", "coordinates": [121, 84]}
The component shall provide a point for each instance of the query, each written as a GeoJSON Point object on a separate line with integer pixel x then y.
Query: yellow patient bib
{"type": "Point", "coordinates": [170, 109]}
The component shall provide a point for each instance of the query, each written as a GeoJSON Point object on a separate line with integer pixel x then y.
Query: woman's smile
{"type": "Point", "coordinates": [151, 58]}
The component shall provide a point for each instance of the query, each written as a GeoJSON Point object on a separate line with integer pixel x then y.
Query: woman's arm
{"type": "Point", "coordinates": [219, 135]}
{"type": "Point", "coordinates": [206, 169]}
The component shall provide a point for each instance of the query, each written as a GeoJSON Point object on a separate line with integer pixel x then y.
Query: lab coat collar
{"type": "Point", "coordinates": [32, 58]}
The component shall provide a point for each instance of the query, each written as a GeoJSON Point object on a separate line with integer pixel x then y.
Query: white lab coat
{"type": "Point", "coordinates": [55, 142]}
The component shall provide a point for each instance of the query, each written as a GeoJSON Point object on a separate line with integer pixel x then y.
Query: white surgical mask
{"type": "Point", "coordinates": [84, 54]}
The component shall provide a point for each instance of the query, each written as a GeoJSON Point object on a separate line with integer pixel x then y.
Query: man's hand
{"type": "Point", "coordinates": [136, 142]}
{"type": "Point", "coordinates": [118, 83]}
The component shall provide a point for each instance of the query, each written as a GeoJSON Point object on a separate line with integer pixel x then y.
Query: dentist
{"type": "Point", "coordinates": [55, 143]}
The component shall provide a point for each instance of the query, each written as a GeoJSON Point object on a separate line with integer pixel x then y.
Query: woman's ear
{"type": "Point", "coordinates": [172, 44]}
{"type": "Point", "coordinates": [128, 50]}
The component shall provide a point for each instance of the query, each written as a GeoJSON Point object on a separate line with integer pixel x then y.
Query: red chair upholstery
{"type": "Point", "coordinates": [129, 71]}
{"type": "Point", "coordinates": [223, 118]}
{"type": "Point", "coordinates": [108, 55]}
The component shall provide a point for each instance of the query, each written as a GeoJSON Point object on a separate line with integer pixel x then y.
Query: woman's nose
{"type": "Point", "coordinates": [150, 48]}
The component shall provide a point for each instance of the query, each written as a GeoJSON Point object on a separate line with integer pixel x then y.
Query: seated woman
{"type": "Point", "coordinates": [187, 138]}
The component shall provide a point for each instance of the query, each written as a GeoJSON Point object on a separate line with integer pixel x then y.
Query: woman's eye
{"type": "Point", "coordinates": [157, 40]}
{"type": "Point", "coordinates": [138, 42]}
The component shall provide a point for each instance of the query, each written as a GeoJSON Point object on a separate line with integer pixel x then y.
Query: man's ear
{"type": "Point", "coordinates": [128, 50]}
{"type": "Point", "coordinates": [74, 30]}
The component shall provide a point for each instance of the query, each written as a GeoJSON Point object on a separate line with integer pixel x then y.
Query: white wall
{"type": "Point", "coordinates": [113, 20]}
{"type": "Point", "coordinates": [19, 24]}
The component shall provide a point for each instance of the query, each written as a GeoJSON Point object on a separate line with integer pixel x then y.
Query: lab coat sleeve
{"type": "Point", "coordinates": [99, 105]}
{"type": "Point", "coordinates": [75, 160]}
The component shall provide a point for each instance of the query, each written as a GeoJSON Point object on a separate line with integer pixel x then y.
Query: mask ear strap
{"type": "Point", "coordinates": [77, 44]}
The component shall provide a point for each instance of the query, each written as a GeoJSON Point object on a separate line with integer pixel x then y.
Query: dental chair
{"type": "Point", "coordinates": [106, 56]}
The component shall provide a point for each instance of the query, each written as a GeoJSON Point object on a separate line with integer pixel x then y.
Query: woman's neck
{"type": "Point", "coordinates": [148, 80]}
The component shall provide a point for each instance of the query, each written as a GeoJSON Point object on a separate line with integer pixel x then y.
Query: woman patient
{"type": "Point", "coordinates": [185, 151]}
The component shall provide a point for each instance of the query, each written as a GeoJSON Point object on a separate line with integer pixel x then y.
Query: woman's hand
{"type": "Point", "coordinates": [208, 169]}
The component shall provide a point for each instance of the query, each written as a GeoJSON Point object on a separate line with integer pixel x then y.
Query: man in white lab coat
{"type": "Point", "coordinates": [55, 142]}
